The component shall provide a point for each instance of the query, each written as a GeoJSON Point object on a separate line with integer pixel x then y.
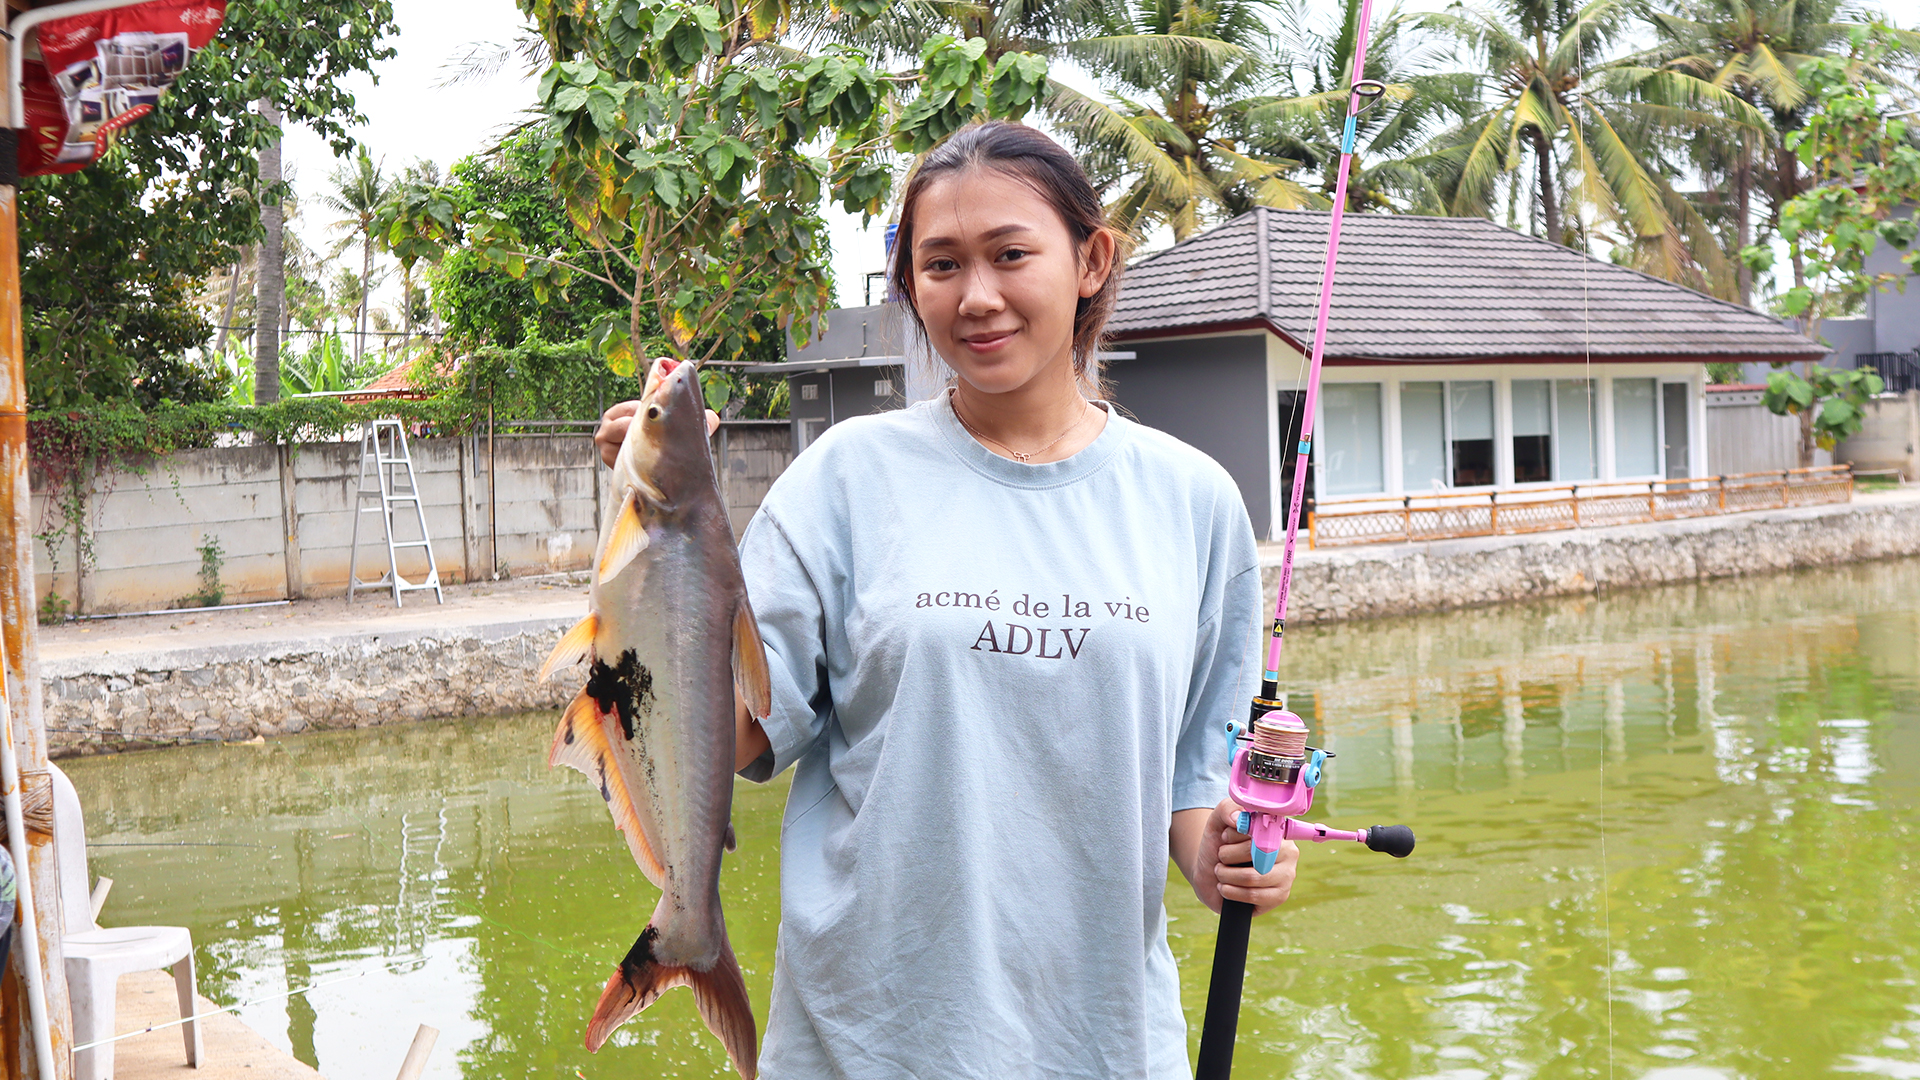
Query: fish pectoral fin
{"type": "Point", "coordinates": [575, 645]}
{"type": "Point", "coordinates": [750, 673]}
{"type": "Point", "coordinates": [586, 740]}
{"type": "Point", "coordinates": [728, 840]}
{"type": "Point", "coordinates": [627, 538]}
{"type": "Point", "coordinates": [720, 993]}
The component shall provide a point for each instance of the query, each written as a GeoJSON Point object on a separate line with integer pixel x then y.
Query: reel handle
{"type": "Point", "coordinates": [1395, 840]}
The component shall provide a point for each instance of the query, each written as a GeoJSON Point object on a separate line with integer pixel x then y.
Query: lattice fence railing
{"type": "Point", "coordinates": [1572, 506]}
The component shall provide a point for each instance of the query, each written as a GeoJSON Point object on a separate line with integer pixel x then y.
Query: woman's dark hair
{"type": "Point", "coordinates": [1029, 156]}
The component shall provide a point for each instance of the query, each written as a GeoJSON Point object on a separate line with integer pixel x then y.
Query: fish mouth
{"type": "Point", "coordinates": [660, 375]}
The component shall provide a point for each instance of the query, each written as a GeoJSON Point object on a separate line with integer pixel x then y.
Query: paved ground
{"type": "Point", "coordinates": [93, 644]}
{"type": "Point", "coordinates": [233, 1051]}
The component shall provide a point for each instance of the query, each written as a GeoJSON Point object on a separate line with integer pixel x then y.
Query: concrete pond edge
{"type": "Point", "coordinates": [351, 680]}
{"type": "Point", "coordinates": [1406, 579]}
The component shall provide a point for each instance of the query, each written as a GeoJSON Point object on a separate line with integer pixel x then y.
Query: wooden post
{"type": "Point", "coordinates": [290, 522]}
{"type": "Point", "coordinates": [417, 1054]}
{"type": "Point", "coordinates": [469, 539]}
{"type": "Point", "coordinates": [28, 728]}
{"type": "Point", "coordinates": [493, 504]}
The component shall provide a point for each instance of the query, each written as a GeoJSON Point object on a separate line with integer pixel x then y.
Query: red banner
{"type": "Point", "coordinates": [100, 72]}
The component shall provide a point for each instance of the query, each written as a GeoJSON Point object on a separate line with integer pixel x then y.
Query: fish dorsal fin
{"type": "Point", "coordinates": [576, 645]}
{"type": "Point", "coordinates": [750, 675]}
{"type": "Point", "coordinates": [627, 538]}
{"type": "Point", "coordinates": [589, 741]}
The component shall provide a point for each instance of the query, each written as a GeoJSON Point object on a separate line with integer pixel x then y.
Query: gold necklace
{"type": "Point", "coordinates": [1026, 458]}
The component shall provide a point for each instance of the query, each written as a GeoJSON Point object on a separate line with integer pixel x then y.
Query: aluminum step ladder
{"type": "Point", "coordinates": [383, 449]}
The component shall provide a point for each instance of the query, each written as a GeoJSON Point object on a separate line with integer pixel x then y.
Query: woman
{"type": "Point", "coordinates": [1005, 627]}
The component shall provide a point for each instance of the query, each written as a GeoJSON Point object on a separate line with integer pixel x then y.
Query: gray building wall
{"type": "Point", "coordinates": [848, 332]}
{"type": "Point", "coordinates": [1895, 314]}
{"type": "Point", "coordinates": [840, 393]}
{"type": "Point", "coordinates": [1210, 393]}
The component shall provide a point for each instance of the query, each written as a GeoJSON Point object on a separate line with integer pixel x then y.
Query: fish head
{"type": "Point", "coordinates": [666, 446]}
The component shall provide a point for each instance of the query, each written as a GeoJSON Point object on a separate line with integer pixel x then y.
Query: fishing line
{"type": "Point", "coordinates": [562, 949]}
{"type": "Point", "coordinates": [1593, 442]}
{"type": "Point", "coordinates": [417, 965]}
{"type": "Point", "coordinates": [175, 843]}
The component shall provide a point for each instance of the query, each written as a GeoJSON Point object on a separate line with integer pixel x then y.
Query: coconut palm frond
{"type": "Point", "coordinates": [1706, 104]}
{"type": "Point", "coordinates": [1485, 160]}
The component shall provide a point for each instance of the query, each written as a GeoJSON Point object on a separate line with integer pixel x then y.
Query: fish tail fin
{"type": "Point", "coordinates": [720, 993]}
{"type": "Point", "coordinates": [575, 645]}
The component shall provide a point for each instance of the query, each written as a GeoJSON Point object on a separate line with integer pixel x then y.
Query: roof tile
{"type": "Point", "coordinates": [1414, 288]}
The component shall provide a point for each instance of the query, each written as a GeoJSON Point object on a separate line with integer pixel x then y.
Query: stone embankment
{"type": "Point", "coordinates": [1401, 579]}
{"type": "Point", "coordinates": [235, 675]}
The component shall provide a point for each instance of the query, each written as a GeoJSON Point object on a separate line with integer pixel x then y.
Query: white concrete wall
{"type": "Point", "coordinates": [141, 528]}
{"type": "Point", "coordinates": [1744, 436]}
{"type": "Point", "coordinates": [1888, 439]}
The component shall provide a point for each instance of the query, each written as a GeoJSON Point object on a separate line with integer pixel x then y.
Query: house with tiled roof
{"type": "Point", "coordinates": [1461, 356]}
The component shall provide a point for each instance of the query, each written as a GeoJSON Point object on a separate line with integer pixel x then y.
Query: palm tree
{"type": "Point", "coordinates": [415, 221]}
{"type": "Point", "coordinates": [1550, 92]}
{"type": "Point", "coordinates": [1392, 168]}
{"type": "Point", "coordinates": [271, 282]}
{"type": "Point", "coordinates": [1754, 50]}
{"type": "Point", "coordinates": [1085, 32]}
{"type": "Point", "coordinates": [1186, 155]}
{"type": "Point", "coordinates": [359, 191]}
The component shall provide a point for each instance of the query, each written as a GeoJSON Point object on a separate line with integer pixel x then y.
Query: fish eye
{"type": "Point", "coordinates": [653, 412]}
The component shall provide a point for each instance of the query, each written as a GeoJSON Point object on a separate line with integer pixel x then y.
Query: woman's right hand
{"type": "Point", "coordinates": [613, 430]}
{"type": "Point", "coordinates": [615, 422]}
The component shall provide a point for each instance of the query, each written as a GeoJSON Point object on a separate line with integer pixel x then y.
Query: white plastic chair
{"type": "Point", "coordinates": [97, 957]}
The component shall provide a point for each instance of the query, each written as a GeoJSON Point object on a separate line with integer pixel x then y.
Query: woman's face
{"type": "Point", "coordinates": [997, 277]}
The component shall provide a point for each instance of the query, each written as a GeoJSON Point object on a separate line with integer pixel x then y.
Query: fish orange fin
{"type": "Point", "coordinates": [585, 741]}
{"type": "Point", "coordinates": [719, 993]}
{"type": "Point", "coordinates": [627, 538]}
{"type": "Point", "coordinates": [575, 645]}
{"type": "Point", "coordinates": [750, 662]}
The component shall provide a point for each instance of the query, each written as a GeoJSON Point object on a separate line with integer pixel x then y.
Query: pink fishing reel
{"type": "Point", "coordinates": [1274, 774]}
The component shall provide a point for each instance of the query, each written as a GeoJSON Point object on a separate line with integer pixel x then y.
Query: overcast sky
{"type": "Point", "coordinates": [410, 118]}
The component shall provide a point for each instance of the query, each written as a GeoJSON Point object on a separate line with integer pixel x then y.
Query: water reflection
{"type": "Point", "coordinates": [1663, 835]}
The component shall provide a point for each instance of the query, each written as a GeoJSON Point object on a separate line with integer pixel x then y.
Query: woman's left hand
{"type": "Point", "coordinates": [1220, 870]}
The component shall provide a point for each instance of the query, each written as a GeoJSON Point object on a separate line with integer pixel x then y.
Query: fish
{"type": "Point", "coordinates": [668, 639]}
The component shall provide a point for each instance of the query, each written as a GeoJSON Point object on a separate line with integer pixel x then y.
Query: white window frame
{"type": "Point", "coordinates": [1286, 369]}
{"type": "Point", "coordinates": [1502, 451]}
{"type": "Point", "coordinates": [1388, 469]}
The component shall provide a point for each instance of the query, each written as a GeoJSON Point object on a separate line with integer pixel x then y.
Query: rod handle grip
{"type": "Point", "coordinates": [1223, 992]}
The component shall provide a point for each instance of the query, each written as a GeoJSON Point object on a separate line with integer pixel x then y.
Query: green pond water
{"type": "Point", "coordinates": [1662, 835]}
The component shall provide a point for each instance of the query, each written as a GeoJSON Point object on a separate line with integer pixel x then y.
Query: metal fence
{"type": "Point", "coordinates": [1572, 506]}
{"type": "Point", "coordinates": [1901, 370]}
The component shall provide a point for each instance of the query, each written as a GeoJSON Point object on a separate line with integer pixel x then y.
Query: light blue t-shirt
{"type": "Point", "coordinates": [997, 682]}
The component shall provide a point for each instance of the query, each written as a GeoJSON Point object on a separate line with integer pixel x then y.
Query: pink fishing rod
{"type": "Point", "coordinates": [1274, 771]}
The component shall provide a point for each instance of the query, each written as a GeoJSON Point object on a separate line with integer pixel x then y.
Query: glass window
{"type": "Point", "coordinates": [1351, 414]}
{"type": "Point", "coordinates": [1423, 436]}
{"type": "Point", "coordinates": [1532, 431]}
{"type": "Point", "coordinates": [1470, 420]}
{"type": "Point", "coordinates": [1673, 399]}
{"type": "Point", "coordinates": [1578, 451]}
{"type": "Point", "coordinates": [1636, 436]}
